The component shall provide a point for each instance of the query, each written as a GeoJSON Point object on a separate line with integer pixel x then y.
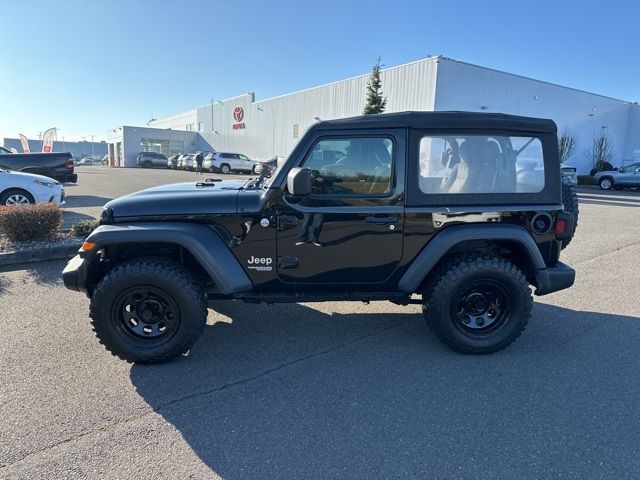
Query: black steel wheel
{"type": "Point", "coordinates": [149, 310]}
{"type": "Point", "coordinates": [480, 308]}
{"type": "Point", "coordinates": [147, 314]}
{"type": "Point", "coordinates": [477, 303]}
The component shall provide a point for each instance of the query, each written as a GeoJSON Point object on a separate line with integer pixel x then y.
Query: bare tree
{"type": "Point", "coordinates": [601, 151]}
{"type": "Point", "coordinates": [567, 143]}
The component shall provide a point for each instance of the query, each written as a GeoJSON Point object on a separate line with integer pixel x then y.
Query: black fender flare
{"type": "Point", "coordinates": [445, 240]}
{"type": "Point", "coordinates": [202, 242]}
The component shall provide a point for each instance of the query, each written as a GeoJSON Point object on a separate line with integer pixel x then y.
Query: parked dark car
{"type": "Point", "coordinates": [151, 160]}
{"type": "Point", "coordinates": [266, 167]}
{"type": "Point", "coordinates": [58, 166]}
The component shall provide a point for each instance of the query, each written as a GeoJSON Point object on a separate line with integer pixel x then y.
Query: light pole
{"type": "Point", "coordinates": [84, 144]}
{"type": "Point", "coordinates": [93, 153]}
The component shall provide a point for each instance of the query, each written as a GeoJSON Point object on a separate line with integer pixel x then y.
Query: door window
{"type": "Point", "coordinates": [351, 166]}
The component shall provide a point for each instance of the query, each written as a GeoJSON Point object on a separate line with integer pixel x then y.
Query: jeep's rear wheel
{"type": "Point", "coordinates": [148, 310]}
{"type": "Point", "coordinates": [477, 303]}
{"type": "Point", "coordinates": [224, 168]}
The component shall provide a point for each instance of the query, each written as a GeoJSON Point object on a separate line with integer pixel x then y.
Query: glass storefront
{"type": "Point", "coordinates": [166, 147]}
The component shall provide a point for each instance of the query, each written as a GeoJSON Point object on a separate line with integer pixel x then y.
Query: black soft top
{"type": "Point", "coordinates": [435, 120]}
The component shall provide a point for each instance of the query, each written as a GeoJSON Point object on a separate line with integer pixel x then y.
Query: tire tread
{"type": "Point", "coordinates": [442, 281]}
{"type": "Point", "coordinates": [177, 275]}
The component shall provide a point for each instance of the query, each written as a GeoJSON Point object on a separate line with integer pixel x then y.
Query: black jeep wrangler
{"type": "Point", "coordinates": [462, 209]}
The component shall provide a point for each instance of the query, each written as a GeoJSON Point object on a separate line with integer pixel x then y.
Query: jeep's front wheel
{"type": "Point", "coordinates": [477, 303]}
{"type": "Point", "coordinates": [148, 310]}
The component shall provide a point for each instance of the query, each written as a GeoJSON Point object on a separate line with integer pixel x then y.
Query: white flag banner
{"type": "Point", "coordinates": [25, 143]}
{"type": "Point", "coordinates": [47, 140]}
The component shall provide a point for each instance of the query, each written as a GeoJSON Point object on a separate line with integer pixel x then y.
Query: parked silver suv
{"type": "Point", "coordinates": [229, 162]}
{"type": "Point", "coordinates": [624, 177]}
{"type": "Point", "coordinates": [151, 160]}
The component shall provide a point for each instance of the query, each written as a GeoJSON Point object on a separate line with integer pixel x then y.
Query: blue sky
{"type": "Point", "coordinates": [86, 66]}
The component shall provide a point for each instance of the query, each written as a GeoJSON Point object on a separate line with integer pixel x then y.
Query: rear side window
{"type": "Point", "coordinates": [480, 164]}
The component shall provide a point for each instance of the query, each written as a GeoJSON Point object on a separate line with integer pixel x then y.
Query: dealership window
{"type": "Point", "coordinates": [351, 166]}
{"type": "Point", "coordinates": [190, 127]}
{"type": "Point", "coordinates": [166, 147]}
{"type": "Point", "coordinates": [480, 164]}
{"type": "Point", "coordinates": [200, 126]}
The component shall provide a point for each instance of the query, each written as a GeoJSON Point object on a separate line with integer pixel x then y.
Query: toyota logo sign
{"type": "Point", "coordinates": [238, 114]}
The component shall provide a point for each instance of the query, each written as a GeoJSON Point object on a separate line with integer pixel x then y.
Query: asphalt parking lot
{"type": "Point", "coordinates": [97, 185]}
{"type": "Point", "coordinates": [332, 390]}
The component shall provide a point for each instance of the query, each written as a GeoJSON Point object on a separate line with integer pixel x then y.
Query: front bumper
{"type": "Point", "coordinates": [554, 279]}
{"type": "Point", "coordinates": [74, 274]}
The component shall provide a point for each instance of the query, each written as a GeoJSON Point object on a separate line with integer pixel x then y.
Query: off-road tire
{"type": "Point", "coordinates": [225, 169]}
{"type": "Point", "coordinates": [458, 273]}
{"type": "Point", "coordinates": [570, 202]}
{"type": "Point", "coordinates": [178, 283]}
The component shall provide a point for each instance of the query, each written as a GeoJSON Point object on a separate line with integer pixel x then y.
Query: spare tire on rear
{"type": "Point", "coordinates": [570, 203]}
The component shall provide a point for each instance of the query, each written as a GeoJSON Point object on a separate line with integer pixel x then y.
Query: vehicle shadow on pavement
{"type": "Point", "coordinates": [86, 201]}
{"type": "Point", "coordinates": [45, 273]}
{"type": "Point", "coordinates": [291, 392]}
{"type": "Point", "coordinates": [4, 283]}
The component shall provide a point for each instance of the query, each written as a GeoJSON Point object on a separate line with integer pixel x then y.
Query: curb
{"type": "Point", "coordinates": [55, 252]}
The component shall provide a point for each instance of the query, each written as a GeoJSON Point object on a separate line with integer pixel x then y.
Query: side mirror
{"type": "Point", "coordinates": [299, 181]}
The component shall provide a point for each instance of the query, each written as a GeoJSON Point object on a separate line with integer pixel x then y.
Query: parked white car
{"type": "Point", "coordinates": [228, 162]}
{"type": "Point", "coordinates": [188, 162]}
{"type": "Point", "coordinates": [17, 188]}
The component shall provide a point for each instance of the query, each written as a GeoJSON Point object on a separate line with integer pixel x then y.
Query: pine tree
{"type": "Point", "coordinates": [376, 103]}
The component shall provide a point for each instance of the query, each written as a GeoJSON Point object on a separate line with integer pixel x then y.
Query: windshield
{"type": "Point", "coordinates": [268, 179]}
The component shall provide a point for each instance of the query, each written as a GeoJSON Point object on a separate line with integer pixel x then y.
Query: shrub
{"type": "Point", "coordinates": [604, 166]}
{"type": "Point", "coordinates": [84, 228]}
{"type": "Point", "coordinates": [30, 222]}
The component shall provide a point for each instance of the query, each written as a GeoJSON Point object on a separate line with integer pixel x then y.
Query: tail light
{"type": "Point", "coordinates": [564, 226]}
{"type": "Point", "coordinates": [70, 163]}
{"type": "Point", "coordinates": [561, 225]}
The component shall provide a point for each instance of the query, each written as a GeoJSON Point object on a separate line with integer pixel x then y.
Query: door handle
{"type": "Point", "coordinates": [381, 219]}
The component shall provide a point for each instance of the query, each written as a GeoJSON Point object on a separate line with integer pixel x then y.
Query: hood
{"type": "Point", "coordinates": [605, 172]}
{"type": "Point", "coordinates": [30, 176]}
{"type": "Point", "coordinates": [179, 199]}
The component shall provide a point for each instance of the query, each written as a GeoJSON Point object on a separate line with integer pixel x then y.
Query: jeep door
{"type": "Point", "coordinates": [350, 229]}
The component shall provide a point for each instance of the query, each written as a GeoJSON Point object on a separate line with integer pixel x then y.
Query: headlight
{"type": "Point", "coordinates": [46, 184]}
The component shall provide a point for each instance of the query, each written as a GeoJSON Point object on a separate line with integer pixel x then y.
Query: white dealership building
{"type": "Point", "coordinates": [263, 129]}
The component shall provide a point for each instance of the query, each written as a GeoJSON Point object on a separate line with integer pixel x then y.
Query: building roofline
{"type": "Point", "coordinates": [531, 78]}
{"type": "Point", "coordinates": [431, 58]}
